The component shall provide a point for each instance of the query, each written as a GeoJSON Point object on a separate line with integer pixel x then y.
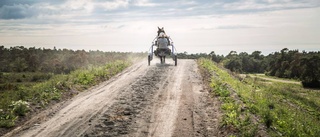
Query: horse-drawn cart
{"type": "Point", "coordinates": [163, 43]}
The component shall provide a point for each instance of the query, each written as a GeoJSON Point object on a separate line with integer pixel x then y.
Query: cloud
{"type": "Point", "coordinates": [16, 12]}
{"type": "Point", "coordinates": [29, 2]}
{"type": "Point", "coordinates": [226, 27]}
{"type": "Point", "coordinates": [236, 27]}
{"type": "Point", "coordinates": [27, 9]}
{"type": "Point", "coordinates": [269, 5]}
{"type": "Point", "coordinates": [17, 9]}
{"type": "Point", "coordinates": [111, 5]}
{"type": "Point", "coordinates": [144, 3]}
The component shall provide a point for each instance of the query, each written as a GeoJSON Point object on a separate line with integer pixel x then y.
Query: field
{"type": "Point", "coordinates": [254, 104]}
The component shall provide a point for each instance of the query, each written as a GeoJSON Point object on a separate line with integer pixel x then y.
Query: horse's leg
{"type": "Point", "coordinates": [161, 59]}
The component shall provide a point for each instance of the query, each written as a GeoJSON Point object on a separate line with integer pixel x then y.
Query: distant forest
{"type": "Point", "coordinates": [57, 61]}
{"type": "Point", "coordinates": [304, 66]}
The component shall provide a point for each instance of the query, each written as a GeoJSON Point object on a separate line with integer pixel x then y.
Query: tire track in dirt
{"type": "Point", "coordinates": [131, 112]}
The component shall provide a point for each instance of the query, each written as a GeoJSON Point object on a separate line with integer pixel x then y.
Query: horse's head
{"type": "Point", "coordinates": [160, 30]}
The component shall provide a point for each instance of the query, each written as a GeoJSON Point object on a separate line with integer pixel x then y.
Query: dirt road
{"type": "Point", "coordinates": [159, 100]}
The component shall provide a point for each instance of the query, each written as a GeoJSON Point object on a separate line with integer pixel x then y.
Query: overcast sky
{"type": "Point", "coordinates": [131, 25]}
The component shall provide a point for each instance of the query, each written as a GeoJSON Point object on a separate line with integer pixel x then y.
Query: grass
{"type": "Point", "coordinates": [22, 93]}
{"type": "Point", "coordinates": [295, 111]}
{"type": "Point", "coordinates": [285, 109]}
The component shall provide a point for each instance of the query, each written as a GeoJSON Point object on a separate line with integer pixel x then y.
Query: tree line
{"type": "Point", "coordinates": [185, 55]}
{"type": "Point", "coordinates": [57, 61]}
{"type": "Point", "coordinates": [304, 66]}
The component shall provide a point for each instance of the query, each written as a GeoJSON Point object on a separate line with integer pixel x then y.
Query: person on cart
{"type": "Point", "coordinates": [162, 44]}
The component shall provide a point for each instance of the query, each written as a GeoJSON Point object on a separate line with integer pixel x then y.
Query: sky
{"type": "Point", "coordinates": [198, 26]}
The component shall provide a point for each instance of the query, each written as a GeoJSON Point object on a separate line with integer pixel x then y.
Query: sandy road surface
{"type": "Point", "coordinates": [160, 100]}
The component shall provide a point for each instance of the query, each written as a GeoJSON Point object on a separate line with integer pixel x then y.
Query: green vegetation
{"type": "Point", "coordinates": [287, 63]}
{"type": "Point", "coordinates": [235, 118]}
{"type": "Point", "coordinates": [303, 66]}
{"type": "Point", "coordinates": [284, 109]}
{"type": "Point", "coordinates": [32, 79]}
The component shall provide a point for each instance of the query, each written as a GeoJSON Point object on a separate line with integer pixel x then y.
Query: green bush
{"type": "Point", "coordinates": [8, 86]}
{"type": "Point", "coordinates": [18, 80]}
{"type": "Point", "coordinates": [7, 119]}
{"type": "Point", "coordinates": [85, 78]}
{"type": "Point", "coordinates": [41, 77]}
{"type": "Point", "coordinates": [20, 107]}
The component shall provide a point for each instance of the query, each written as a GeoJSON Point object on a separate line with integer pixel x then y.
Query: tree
{"type": "Point", "coordinates": [19, 65]}
{"type": "Point", "coordinates": [311, 73]}
{"type": "Point", "coordinates": [215, 58]}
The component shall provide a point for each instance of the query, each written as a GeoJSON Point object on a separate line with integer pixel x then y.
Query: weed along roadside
{"type": "Point", "coordinates": [254, 107]}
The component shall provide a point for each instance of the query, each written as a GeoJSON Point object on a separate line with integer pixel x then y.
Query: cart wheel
{"type": "Point", "coordinates": [149, 59]}
{"type": "Point", "coordinates": [175, 60]}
